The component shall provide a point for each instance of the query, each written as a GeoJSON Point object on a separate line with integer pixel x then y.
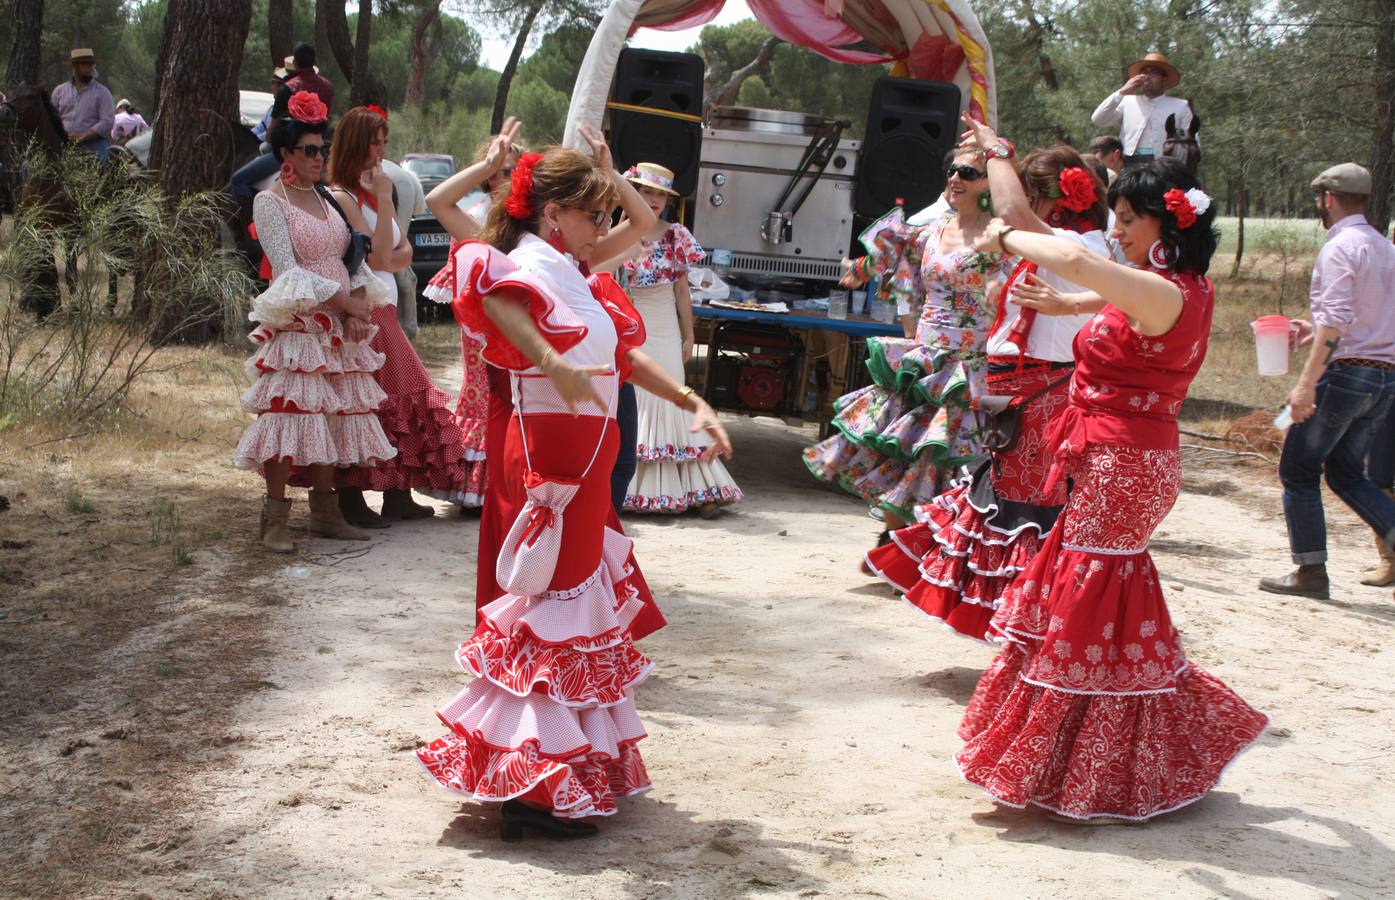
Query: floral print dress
{"type": "Point", "coordinates": [900, 439]}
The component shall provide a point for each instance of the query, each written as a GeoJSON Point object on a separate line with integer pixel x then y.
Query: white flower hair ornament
{"type": "Point", "coordinates": [1200, 200]}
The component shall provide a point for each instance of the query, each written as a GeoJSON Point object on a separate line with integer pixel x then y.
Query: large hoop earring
{"type": "Point", "coordinates": [287, 174]}
{"type": "Point", "coordinates": [985, 202]}
{"type": "Point", "coordinates": [1159, 256]}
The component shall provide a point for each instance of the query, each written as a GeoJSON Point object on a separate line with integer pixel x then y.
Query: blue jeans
{"type": "Point", "coordinates": [1352, 402]}
{"type": "Point", "coordinates": [98, 147]}
{"type": "Point", "coordinates": [246, 179]}
{"type": "Point", "coordinates": [626, 460]}
{"type": "Point", "coordinates": [1380, 462]}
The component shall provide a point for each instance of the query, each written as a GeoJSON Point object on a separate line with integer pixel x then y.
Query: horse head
{"type": "Point", "coordinates": [29, 113]}
{"type": "Point", "coordinates": [1182, 145]}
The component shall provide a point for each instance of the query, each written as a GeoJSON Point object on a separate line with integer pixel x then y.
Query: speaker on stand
{"type": "Point", "coordinates": [656, 113]}
{"type": "Point", "coordinates": [911, 125]}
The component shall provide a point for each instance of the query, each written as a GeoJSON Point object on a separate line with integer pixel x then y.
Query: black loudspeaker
{"type": "Point", "coordinates": [911, 124]}
{"type": "Point", "coordinates": [668, 82]}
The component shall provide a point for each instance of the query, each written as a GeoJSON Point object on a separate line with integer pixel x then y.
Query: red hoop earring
{"type": "Point", "coordinates": [554, 237]}
{"type": "Point", "coordinates": [287, 174]}
{"type": "Point", "coordinates": [1159, 255]}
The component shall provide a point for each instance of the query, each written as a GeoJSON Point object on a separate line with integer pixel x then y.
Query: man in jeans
{"type": "Point", "coordinates": [305, 77]}
{"type": "Point", "coordinates": [84, 104]}
{"type": "Point", "coordinates": [1347, 386]}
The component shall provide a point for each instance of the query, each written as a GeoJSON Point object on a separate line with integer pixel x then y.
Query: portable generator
{"type": "Point", "coordinates": [753, 367]}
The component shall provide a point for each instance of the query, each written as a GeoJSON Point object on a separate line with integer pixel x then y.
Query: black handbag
{"type": "Point", "coordinates": [360, 244]}
{"type": "Point", "coordinates": [1003, 417]}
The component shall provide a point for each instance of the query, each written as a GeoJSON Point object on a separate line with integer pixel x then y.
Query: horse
{"type": "Point", "coordinates": [1182, 145]}
{"type": "Point", "coordinates": [29, 114]}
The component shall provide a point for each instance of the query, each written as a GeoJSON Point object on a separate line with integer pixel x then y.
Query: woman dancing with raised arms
{"type": "Point", "coordinates": [548, 727]}
{"type": "Point", "coordinates": [1092, 709]}
{"type": "Point", "coordinates": [975, 538]}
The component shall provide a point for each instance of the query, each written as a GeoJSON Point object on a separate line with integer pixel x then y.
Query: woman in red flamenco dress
{"type": "Point", "coordinates": [971, 541]}
{"type": "Point", "coordinates": [548, 726]}
{"type": "Point", "coordinates": [1092, 710]}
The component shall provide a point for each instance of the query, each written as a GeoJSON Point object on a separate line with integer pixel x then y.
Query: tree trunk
{"type": "Point", "coordinates": [192, 146]}
{"type": "Point", "coordinates": [1242, 207]}
{"type": "Point", "coordinates": [279, 25]}
{"type": "Point", "coordinates": [336, 34]}
{"type": "Point", "coordinates": [361, 85]}
{"type": "Point", "coordinates": [26, 62]}
{"type": "Point", "coordinates": [1383, 114]}
{"type": "Point", "coordinates": [420, 57]}
{"type": "Point", "coordinates": [162, 53]}
{"type": "Point", "coordinates": [727, 92]}
{"type": "Point", "coordinates": [501, 98]}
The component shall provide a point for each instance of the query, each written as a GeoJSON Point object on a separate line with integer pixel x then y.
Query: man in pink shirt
{"type": "Point", "coordinates": [1347, 387]}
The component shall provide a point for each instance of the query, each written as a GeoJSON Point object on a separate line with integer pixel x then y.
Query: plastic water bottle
{"type": "Point", "coordinates": [1284, 418]}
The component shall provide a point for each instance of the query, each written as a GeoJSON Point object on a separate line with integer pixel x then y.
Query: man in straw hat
{"type": "Point", "coordinates": [1141, 108]}
{"type": "Point", "coordinates": [1347, 387]}
{"type": "Point", "coordinates": [85, 106]}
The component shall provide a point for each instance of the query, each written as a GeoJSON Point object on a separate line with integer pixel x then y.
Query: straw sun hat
{"type": "Point", "coordinates": [652, 175]}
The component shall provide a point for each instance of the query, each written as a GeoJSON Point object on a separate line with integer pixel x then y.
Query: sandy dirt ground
{"type": "Point", "coordinates": [801, 724]}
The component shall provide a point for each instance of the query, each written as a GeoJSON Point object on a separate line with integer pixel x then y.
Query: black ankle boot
{"type": "Point", "coordinates": [514, 816]}
{"type": "Point", "coordinates": [356, 512]}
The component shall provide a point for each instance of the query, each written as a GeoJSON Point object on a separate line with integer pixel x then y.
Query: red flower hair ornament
{"type": "Point", "coordinates": [1077, 189]}
{"type": "Point", "coordinates": [1185, 206]}
{"type": "Point", "coordinates": [377, 110]}
{"type": "Point", "coordinates": [307, 107]}
{"type": "Point", "coordinates": [519, 204]}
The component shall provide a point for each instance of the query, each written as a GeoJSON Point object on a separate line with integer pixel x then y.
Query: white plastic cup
{"type": "Point", "coordinates": [858, 304]}
{"type": "Point", "coordinates": [1284, 419]}
{"type": "Point", "coordinates": [884, 311]}
{"type": "Point", "coordinates": [1271, 344]}
{"type": "Point", "coordinates": [838, 304]}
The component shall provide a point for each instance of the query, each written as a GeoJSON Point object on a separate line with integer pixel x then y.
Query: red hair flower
{"type": "Point", "coordinates": [377, 110]}
{"type": "Point", "coordinates": [1181, 207]}
{"type": "Point", "coordinates": [519, 203]}
{"type": "Point", "coordinates": [1077, 189]}
{"type": "Point", "coordinates": [307, 107]}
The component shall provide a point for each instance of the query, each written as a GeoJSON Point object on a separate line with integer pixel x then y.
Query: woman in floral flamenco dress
{"type": "Point", "coordinates": [972, 540]}
{"type": "Point", "coordinates": [1092, 709]}
{"type": "Point", "coordinates": [673, 473]}
{"type": "Point", "coordinates": [900, 439]}
{"type": "Point", "coordinates": [548, 727]}
{"type": "Point", "coordinates": [314, 393]}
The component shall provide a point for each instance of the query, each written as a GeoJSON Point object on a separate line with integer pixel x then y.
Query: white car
{"type": "Point", "coordinates": [251, 108]}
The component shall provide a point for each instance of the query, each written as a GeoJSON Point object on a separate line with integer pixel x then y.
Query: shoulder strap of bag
{"type": "Point", "coordinates": [516, 383]}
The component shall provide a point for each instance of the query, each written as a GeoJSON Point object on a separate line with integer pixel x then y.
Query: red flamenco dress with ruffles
{"type": "Point", "coordinates": [550, 715]}
{"type": "Point", "coordinates": [970, 542]}
{"type": "Point", "coordinates": [1092, 708]}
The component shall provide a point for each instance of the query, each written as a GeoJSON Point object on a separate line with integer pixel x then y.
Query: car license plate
{"type": "Point", "coordinates": [433, 239]}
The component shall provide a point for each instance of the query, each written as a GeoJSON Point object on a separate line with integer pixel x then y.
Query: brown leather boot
{"type": "Point", "coordinates": [398, 504]}
{"type": "Point", "coordinates": [1305, 581]}
{"type": "Point", "coordinates": [327, 521]}
{"type": "Point", "coordinates": [1384, 574]}
{"type": "Point", "coordinates": [274, 532]}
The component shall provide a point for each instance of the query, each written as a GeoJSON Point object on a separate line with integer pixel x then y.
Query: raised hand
{"type": "Point", "coordinates": [1135, 84]}
{"type": "Point", "coordinates": [977, 134]}
{"type": "Point", "coordinates": [599, 147]}
{"type": "Point", "coordinates": [379, 182]}
{"type": "Point", "coordinates": [502, 145]}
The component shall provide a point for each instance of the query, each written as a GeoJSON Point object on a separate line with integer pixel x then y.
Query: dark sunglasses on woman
{"type": "Point", "coordinates": [313, 150]}
{"type": "Point", "coordinates": [965, 173]}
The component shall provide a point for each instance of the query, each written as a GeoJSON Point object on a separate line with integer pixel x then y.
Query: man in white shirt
{"type": "Point", "coordinates": [411, 201]}
{"type": "Point", "coordinates": [1141, 108]}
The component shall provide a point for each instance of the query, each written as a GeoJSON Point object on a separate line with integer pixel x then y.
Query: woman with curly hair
{"type": "Point", "coordinates": [315, 392]}
{"type": "Point", "coordinates": [971, 541]}
{"type": "Point", "coordinates": [900, 439]}
{"type": "Point", "coordinates": [548, 727]}
{"type": "Point", "coordinates": [1092, 709]}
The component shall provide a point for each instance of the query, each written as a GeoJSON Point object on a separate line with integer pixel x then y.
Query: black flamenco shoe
{"type": "Point", "coordinates": [514, 816]}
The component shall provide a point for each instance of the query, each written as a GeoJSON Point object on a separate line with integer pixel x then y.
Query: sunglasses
{"type": "Point", "coordinates": [598, 217]}
{"type": "Point", "coordinates": [965, 173]}
{"type": "Point", "coordinates": [314, 151]}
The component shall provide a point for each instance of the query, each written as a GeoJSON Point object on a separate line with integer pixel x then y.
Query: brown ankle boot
{"type": "Point", "coordinates": [327, 521]}
{"type": "Point", "coordinates": [274, 533]}
{"type": "Point", "coordinates": [1384, 574]}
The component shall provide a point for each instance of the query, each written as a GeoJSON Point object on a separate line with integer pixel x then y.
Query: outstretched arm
{"type": "Point", "coordinates": [1151, 300]}
{"type": "Point", "coordinates": [444, 198]}
{"type": "Point", "coordinates": [651, 376]}
{"type": "Point", "coordinates": [508, 310]}
{"type": "Point", "coordinates": [639, 218]}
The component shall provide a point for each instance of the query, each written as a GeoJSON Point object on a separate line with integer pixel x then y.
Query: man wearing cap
{"type": "Point", "coordinates": [1347, 386]}
{"type": "Point", "coordinates": [1141, 108]}
{"type": "Point", "coordinates": [84, 104]}
{"type": "Point", "coordinates": [128, 123]}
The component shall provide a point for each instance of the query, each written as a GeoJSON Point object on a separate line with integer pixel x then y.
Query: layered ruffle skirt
{"type": "Point", "coordinates": [972, 541]}
{"type": "Point", "coordinates": [314, 396]}
{"type": "Point", "coordinates": [900, 439]}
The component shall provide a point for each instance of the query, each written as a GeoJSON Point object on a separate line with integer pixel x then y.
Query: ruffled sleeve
{"type": "Point", "coordinates": [374, 290]}
{"type": "Point", "coordinates": [894, 252]}
{"type": "Point", "coordinates": [294, 290]}
{"type": "Point", "coordinates": [629, 324]}
{"type": "Point", "coordinates": [686, 250]}
{"type": "Point", "coordinates": [441, 287]}
{"type": "Point", "coordinates": [481, 270]}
